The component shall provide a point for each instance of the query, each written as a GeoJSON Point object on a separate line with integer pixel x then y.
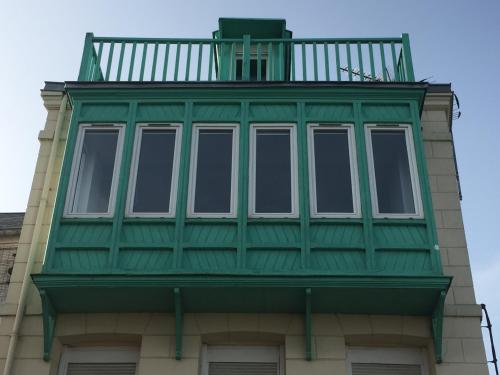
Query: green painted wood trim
{"type": "Point", "coordinates": [246, 58]}
{"type": "Point", "coordinates": [425, 190]}
{"type": "Point", "coordinates": [49, 318]}
{"type": "Point", "coordinates": [121, 191]}
{"type": "Point", "coordinates": [43, 281]}
{"type": "Point", "coordinates": [437, 327]}
{"type": "Point", "coordinates": [308, 323]}
{"type": "Point", "coordinates": [242, 184]}
{"type": "Point", "coordinates": [87, 55]}
{"type": "Point", "coordinates": [408, 62]}
{"type": "Point", "coordinates": [364, 187]}
{"type": "Point", "coordinates": [62, 187]}
{"type": "Point", "coordinates": [179, 323]}
{"type": "Point", "coordinates": [303, 173]}
{"type": "Point", "coordinates": [180, 216]}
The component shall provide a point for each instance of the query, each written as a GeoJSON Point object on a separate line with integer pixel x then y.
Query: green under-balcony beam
{"type": "Point", "coordinates": [437, 326]}
{"type": "Point", "coordinates": [49, 324]}
{"type": "Point", "coordinates": [308, 323]}
{"type": "Point", "coordinates": [179, 320]}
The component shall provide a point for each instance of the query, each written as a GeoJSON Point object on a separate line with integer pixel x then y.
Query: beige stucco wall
{"type": "Point", "coordinates": [153, 334]}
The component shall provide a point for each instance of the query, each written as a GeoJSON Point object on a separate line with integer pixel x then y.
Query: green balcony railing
{"type": "Point", "coordinates": [297, 60]}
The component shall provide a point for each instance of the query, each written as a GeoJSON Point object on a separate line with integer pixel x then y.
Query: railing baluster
{"type": "Point", "coordinates": [394, 62]}
{"type": "Point", "coordinates": [270, 62]}
{"type": "Point", "coordinates": [143, 61]}
{"type": "Point", "coordinates": [233, 61]}
{"type": "Point", "coordinates": [349, 64]}
{"type": "Point", "coordinates": [155, 57]}
{"type": "Point", "coordinates": [200, 57]}
{"type": "Point", "coordinates": [315, 59]}
{"type": "Point", "coordinates": [110, 60]}
{"type": "Point", "coordinates": [87, 63]}
{"type": "Point", "coordinates": [281, 60]}
{"type": "Point", "coordinates": [98, 62]}
{"type": "Point", "coordinates": [259, 58]}
{"type": "Point", "coordinates": [210, 61]}
{"type": "Point", "coordinates": [188, 62]}
{"type": "Point", "coordinates": [177, 56]}
{"type": "Point", "coordinates": [165, 62]}
{"type": "Point", "coordinates": [360, 58]}
{"type": "Point", "coordinates": [292, 60]}
{"type": "Point", "coordinates": [408, 63]}
{"type": "Point", "coordinates": [120, 62]}
{"type": "Point", "coordinates": [337, 61]}
{"type": "Point", "coordinates": [372, 62]}
{"type": "Point", "coordinates": [132, 62]}
{"type": "Point", "coordinates": [304, 62]}
{"type": "Point", "coordinates": [382, 57]}
{"type": "Point", "coordinates": [327, 61]}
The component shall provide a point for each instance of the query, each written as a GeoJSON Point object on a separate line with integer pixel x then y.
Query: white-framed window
{"type": "Point", "coordinates": [229, 359]}
{"type": "Point", "coordinates": [387, 361]}
{"type": "Point", "coordinates": [99, 361]}
{"type": "Point", "coordinates": [392, 166]}
{"type": "Point", "coordinates": [213, 180]}
{"type": "Point", "coordinates": [154, 171]}
{"type": "Point", "coordinates": [333, 181]}
{"type": "Point", "coordinates": [94, 172]}
{"type": "Point", "coordinates": [273, 185]}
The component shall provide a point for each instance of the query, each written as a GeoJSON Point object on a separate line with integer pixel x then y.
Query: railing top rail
{"type": "Point", "coordinates": [235, 40]}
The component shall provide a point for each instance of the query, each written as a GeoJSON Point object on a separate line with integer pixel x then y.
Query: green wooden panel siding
{"type": "Point", "coordinates": [160, 112]}
{"type": "Point", "coordinates": [243, 246]}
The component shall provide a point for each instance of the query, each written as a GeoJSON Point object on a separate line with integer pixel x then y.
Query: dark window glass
{"type": "Point", "coordinates": [95, 172]}
{"type": "Point", "coordinates": [392, 172]}
{"type": "Point", "coordinates": [213, 171]}
{"type": "Point", "coordinates": [333, 171]}
{"type": "Point", "coordinates": [253, 69]}
{"type": "Point", "coordinates": [154, 171]}
{"type": "Point", "coordinates": [273, 171]}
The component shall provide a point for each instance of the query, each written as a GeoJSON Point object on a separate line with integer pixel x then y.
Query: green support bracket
{"type": "Point", "coordinates": [308, 322]}
{"type": "Point", "coordinates": [437, 326]}
{"type": "Point", "coordinates": [179, 320]}
{"type": "Point", "coordinates": [49, 324]}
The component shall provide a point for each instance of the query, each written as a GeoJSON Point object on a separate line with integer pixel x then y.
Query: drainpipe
{"type": "Point", "coordinates": [35, 238]}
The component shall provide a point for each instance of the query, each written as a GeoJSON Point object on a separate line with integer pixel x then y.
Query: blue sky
{"type": "Point", "coordinates": [452, 41]}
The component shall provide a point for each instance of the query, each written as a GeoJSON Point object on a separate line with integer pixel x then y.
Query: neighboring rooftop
{"type": "Point", "coordinates": [11, 222]}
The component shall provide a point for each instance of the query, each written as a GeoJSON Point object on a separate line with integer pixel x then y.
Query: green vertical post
{"type": "Point", "coordinates": [292, 60]}
{"type": "Point", "coordinates": [210, 61]}
{"type": "Point", "coordinates": [132, 62]}
{"type": "Point", "coordinates": [188, 62]}
{"type": "Point", "coordinates": [281, 62]}
{"type": "Point", "coordinates": [179, 323]}
{"type": "Point", "coordinates": [394, 62]}
{"type": "Point", "coordinates": [200, 58]}
{"type": "Point", "coordinates": [120, 62]}
{"type": "Point", "coordinates": [87, 57]}
{"type": "Point", "coordinates": [177, 56]}
{"type": "Point", "coordinates": [349, 63]}
{"type": "Point", "coordinates": [360, 59]}
{"type": "Point", "coordinates": [337, 61]}
{"type": "Point", "coordinates": [143, 62]}
{"type": "Point", "coordinates": [382, 58]}
{"type": "Point", "coordinates": [308, 323]}
{"type": "Point", "coordinates": [372, 62]}
{"type": "Point", "coordinates": [245, 74]}
{"type": "Point", "coordinates": [155, 57]}
{"type": "Point", "coordinates": [243, 187]}
{"type": "Point", "coordinates": [259, 59]}
{"type": "Point", "coordinates": [110, 60]}
{"type": "Point", "coordinates": [327, 61]}
{"type": "Point", "coordinates": [165, 62]}
{"type": "Point", "coordinates": [270, 62]}
{"type": "Point", "coordinates": [315, 60]}
{"type": "Point", "coordinates": [304, 63]}
{"type": "Point", "coordinates": [405, 39]}
{"type": "Point", "coordinates": [97, 72]}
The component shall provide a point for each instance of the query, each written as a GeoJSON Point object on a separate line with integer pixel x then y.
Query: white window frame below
{"type": "Point", "coordinates": [235, 353]}
{"type": "Point", "coordinates": [415, 184]}
{"type": "Point", "coordinates": [129, 212]}
{"type": "Point", "coordinates": [75, 165]}
{"type": "Point", "coordinates": [311, 127]}
{"type": "Point", "coordinates": [387, 356]}
{"type": "Point", "coordinates": [293, 165]}
{"type": "Point", "coordinates": [194, 164]}
{"type": "Point", "coordinates": [101, 354]}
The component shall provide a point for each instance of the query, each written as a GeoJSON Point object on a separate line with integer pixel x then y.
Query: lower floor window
{"type": "Point", "coordinates": [99, 361]}
{"type": "Point", "coordinates": [387, 361]}
{"type": "Point", "coordinates": [249, 360]}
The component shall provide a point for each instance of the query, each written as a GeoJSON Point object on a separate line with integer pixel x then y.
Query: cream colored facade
{"type": "Point", "coordinates": [153, 334]}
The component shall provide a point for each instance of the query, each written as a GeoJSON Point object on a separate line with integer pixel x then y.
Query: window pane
{"type": "Point", "coordinates": [213, 171]}
{"type": "Point", "coordinates": [392, 172]}
{"type": "Point", "coordinates": [154, 171]}
{"type": "Point", "coordinates": [333, 171]}
{"type": "Point", "coordinates": [95, 172]}
{"type": "Point", "coordinates": [273, 172]}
